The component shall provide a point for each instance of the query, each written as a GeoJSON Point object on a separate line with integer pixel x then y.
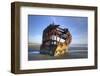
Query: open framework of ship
{"type": "Point", "coordinates": [55, 40]}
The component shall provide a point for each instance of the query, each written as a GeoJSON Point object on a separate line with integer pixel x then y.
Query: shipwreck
{"type": "Point", "coordinates": [55, 40]}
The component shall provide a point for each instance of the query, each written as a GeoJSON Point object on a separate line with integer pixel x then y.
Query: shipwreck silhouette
{"type": "Point", "coordinates": [55, 40]}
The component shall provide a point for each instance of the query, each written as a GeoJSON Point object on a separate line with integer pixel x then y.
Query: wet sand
{"type": "Point", "coordinates": [73, 54]}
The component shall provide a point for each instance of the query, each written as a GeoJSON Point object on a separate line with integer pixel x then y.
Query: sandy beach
{"type": "Point", "coordinates": [73, 54]}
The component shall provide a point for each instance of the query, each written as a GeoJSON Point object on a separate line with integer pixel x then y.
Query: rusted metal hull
{"type": "Point", "coordinates": [55, 40]}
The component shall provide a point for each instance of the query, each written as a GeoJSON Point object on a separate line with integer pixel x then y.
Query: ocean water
{"type": "Point", "coordinates": [73, 54]}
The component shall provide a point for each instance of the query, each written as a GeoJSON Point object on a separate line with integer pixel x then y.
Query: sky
{"type": "Point", "coordinates": [78, 27]}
